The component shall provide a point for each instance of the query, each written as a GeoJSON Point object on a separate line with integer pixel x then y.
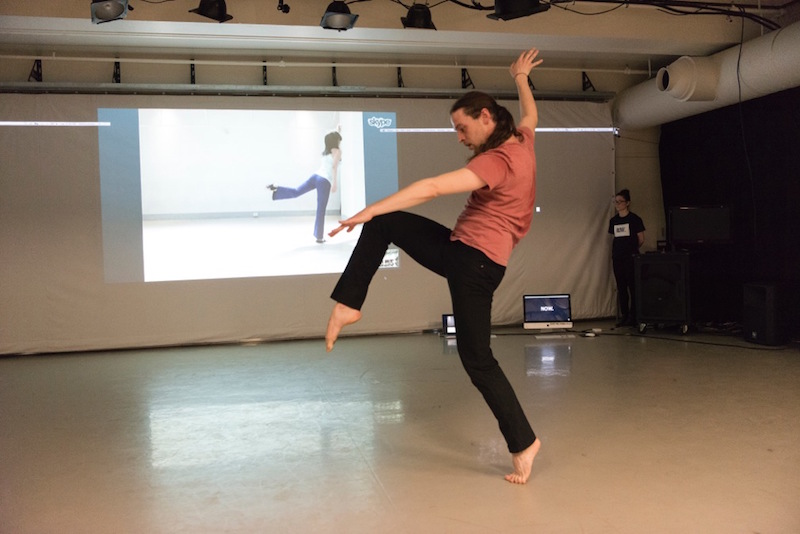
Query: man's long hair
{"type": "Point", "coordinates": [473, 103]}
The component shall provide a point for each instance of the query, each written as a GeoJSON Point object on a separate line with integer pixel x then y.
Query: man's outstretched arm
{"type": "Point", "coordinates": [520, 70]}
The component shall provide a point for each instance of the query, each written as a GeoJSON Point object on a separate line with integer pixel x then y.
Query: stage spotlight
{"type": "Point", "coordinates": [108, 10]}
{"type": "Point", "coordinates": [514, 9]}
{"type": "Point", "coordinates": [418, 16]}
{"type": "Point", "coordinates": [282, 7]}
{"type": "Point", "coordinates": [213, 9]}
{"type": "Point", "coordinates": [338, 17]}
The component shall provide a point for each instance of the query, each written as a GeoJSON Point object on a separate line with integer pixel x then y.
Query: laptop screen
{"type": "Point", "coordinates": [448, 325]}
{"type": "Point", "coordinates": [547, 311]}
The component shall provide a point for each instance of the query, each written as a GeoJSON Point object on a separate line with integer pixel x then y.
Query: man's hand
{"type": "Point", "coordinates": [525, 63]}
{"type": "Point", "coordinates": [348, 224]}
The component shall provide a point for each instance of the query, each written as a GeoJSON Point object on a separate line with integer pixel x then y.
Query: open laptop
{"type": "Point", "coordinates": [547, 312]}
{"type": "Point", "coordinates": [448, 325]}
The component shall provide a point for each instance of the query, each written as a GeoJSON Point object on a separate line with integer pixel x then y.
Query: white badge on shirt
{"type": "Point", "coordinates": [622, 230]}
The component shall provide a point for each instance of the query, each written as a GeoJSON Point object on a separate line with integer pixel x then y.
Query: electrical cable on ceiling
{"type": "Point", "coordinates": [677, 7]}
{"type": "Point", "coordinates": [674, 7]}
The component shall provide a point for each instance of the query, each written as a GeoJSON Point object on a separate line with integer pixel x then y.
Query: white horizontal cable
{"type": "Point", "coordinates": [52, 123]}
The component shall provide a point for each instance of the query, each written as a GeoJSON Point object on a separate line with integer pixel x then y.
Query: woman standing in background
{"type": "Point", "coordinates": [628, 231]}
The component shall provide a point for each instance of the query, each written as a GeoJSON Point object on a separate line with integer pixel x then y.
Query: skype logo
{"type": "Point", "coordinates": [379, 122]}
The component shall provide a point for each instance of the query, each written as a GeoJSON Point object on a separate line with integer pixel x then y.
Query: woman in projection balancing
{"type": "Point", "coordinates": [323, 182]}
{"type": "Point", "coordinates": [500, 177]}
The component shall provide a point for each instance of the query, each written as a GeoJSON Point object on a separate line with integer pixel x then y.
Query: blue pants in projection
{"type": "Point", "coordinates": [323, 189]}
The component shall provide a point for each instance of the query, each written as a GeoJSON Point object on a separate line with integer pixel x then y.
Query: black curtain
{"type": "Point", "coordinates": [745, 156]}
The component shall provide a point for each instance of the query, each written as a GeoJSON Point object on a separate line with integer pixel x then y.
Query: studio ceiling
{"type": "Point", "coordinates": [579, 35]}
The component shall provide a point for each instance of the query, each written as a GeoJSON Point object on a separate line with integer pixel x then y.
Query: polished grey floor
{"type": "Point", "coordinates": [654, 433]}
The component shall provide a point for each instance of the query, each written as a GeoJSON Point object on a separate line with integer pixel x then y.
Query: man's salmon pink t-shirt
{"type": "Point", "coordinates": [497, 216]}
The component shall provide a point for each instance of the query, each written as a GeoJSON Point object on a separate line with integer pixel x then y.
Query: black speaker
{"type": "Point", "coordinates": [760, 314]}
{"type": "Point", "coordinates": [662, 288]}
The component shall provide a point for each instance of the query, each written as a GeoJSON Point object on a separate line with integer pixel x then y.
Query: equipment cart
{"type": "Point", "coordinates": [662, 290]}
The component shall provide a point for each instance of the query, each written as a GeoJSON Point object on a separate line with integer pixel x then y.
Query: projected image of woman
{"type": "Point", "coordinates": [628, 231]}
{"type": "Point", "coordinates": [323, 182]}
{"type": "Point", "coordinates": [500, 177]}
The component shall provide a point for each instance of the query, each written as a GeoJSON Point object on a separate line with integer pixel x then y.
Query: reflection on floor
{"type": "Point", "coordinates": [653, 433]}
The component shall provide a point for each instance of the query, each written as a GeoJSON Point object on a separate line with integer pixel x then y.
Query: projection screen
{"type": "Point", "coordinates": [191, 247]}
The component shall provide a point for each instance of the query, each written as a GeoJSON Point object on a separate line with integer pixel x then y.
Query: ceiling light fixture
{"type": "Point", "coordinates": [514, 9]}
{"type": "Point", "coordinates": [338, 17]}
{"type": "Point", "coordinates": [108, 10]}
{"type": "Point", "coordinates": [213, 9]}
{"type": "Point", "coordinates": [419, 16]}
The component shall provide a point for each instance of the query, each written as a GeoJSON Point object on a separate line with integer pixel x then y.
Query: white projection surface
{"type": "Point", "coordinates": [144, 220]}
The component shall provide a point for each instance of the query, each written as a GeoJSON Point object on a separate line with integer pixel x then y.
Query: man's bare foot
{"type": "Point", "coordinates": [341, 316]}
{"type": "Point", "coordinates": [523, 462]}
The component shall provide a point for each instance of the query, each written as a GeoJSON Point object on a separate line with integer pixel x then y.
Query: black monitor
{"type": "Point", "coordinates": [699, 225]}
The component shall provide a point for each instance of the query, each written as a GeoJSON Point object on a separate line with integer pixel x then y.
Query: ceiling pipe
{"type": "Point", "coordinates": [690, 78]}
{"type": "Point", "coordinates": [280, 90]}
{"type": "Point", "coordinates": [768, 64]}
{"type": "Point", "coordinates": [305, 64]}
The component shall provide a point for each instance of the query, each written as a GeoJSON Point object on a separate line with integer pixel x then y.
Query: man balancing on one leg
{"type": "Point", "coordinates": [501, 177]}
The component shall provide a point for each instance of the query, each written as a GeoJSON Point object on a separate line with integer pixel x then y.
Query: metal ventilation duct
{"type": "Point", "coordinates": [766, 65]}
